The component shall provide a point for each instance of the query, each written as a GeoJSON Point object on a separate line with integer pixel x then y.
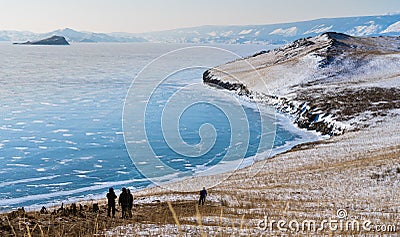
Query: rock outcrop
{"type": "Point", "coordinates": [54, 40]}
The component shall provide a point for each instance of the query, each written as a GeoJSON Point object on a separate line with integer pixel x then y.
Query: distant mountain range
{"type": "Point", "coordinates": [69, 34]}
{"type": "Point", "coordinates": [265, 34]}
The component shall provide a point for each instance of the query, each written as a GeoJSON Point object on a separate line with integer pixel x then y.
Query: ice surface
{"type": "Point", "coordinates": [63, 123]}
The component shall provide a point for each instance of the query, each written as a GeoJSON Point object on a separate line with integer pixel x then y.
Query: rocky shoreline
{"type": "Point", "coordinates": [303, 115]}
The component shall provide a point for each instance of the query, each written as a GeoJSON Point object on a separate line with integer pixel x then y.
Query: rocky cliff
{"type": "Point", "coordinates": [329, 83]}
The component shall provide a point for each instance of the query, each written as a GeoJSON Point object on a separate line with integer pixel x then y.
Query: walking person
{"type": "Point", "coordinates": [111, 202]}
{"type": "Point", "coordinates": [203, 195]}
{"type": "Point", "coordinates": [123, 201]}
{"type": "Point", "coordinates": [130, 203]}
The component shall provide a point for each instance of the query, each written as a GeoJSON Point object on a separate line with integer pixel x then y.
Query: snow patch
{"type": "Point", "coordinates": [213, 34]}
{"type": "Point", "coordinates": [227, 33]}
{"type": "Point", "coordinates": [292, 31]}
{"type": "Point", "coordinates": [245, 32]}
{"type": "Point", "coordinates": [363, 30]}
{"type": "Point", "coordinates": [395, 27]}
{"type": "Point", "coordinates": [318, 29]}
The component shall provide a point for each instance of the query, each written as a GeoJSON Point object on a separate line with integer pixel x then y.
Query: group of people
{"type": "Point", "coordinates": [125, 200]}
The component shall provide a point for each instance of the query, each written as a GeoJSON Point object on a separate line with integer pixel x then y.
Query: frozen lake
{"type": "Point", "coordinates": [61, 136]}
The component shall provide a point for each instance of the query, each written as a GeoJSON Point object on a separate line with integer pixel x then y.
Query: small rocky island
{"type": "Point", "coordinates": [54, 40]}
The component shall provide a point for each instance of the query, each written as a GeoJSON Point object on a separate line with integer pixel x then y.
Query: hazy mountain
{"type": "Point", "coordinates": [82, 36]}
{"type": "Point", "coordinates": [266, 34]}
{"type": "Point", "coordinates": [69, 34]}
{"type": "Point", "coordinates": [281, 33]}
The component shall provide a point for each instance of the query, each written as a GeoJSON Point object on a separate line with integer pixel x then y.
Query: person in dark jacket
{"type": "Point", "coordinates": [130, 203]}
{"type": "Point", "coordinates": [203, 195]}
{"type": "Point", "coordinates": [111, 202]}
{"type": "Point", "coordinates": [123, 201]}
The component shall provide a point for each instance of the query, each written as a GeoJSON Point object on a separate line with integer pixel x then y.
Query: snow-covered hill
{"type": "Point", "coordinates": [264, 34]}
{"type": "Point", "coordinates": [330, 83]}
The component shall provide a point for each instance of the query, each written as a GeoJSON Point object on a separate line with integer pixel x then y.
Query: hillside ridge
{"type": "Point", "coordinates": [329, 83]}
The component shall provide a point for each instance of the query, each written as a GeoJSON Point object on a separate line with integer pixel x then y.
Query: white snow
{"type": "Point", "coordinates": [395, 27]}
{"type": "Point", "coordinates": [318, 29]}
{"type": "Point", "coordinates": [362, 30]}
{"type": "Point", "coordinates": [213, 34]}
{"type": "Point", "coordinates": [226, 33]}
{"type": "Point", "coordinates": [61, 131]}
{"type": "Point", "coordinates": [285, 32]}
{"type": "Point", "coordinates": [245, 32]}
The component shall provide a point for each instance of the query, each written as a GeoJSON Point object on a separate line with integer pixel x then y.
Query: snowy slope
{"type": "Point", "coordinates": [330, 83]}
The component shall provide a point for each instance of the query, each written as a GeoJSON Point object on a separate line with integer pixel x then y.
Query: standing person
{"type": "Point", "coordinates": [203, 195]}
{"type": "Point", "coordinates": [111, 202]}
{"type": "Point", "coordinates": [130, 203]}
{"type": "Point", "coordinates": [123, 201]}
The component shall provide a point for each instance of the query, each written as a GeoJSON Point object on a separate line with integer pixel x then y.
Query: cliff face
{"type": "Point", "coordinates": [329, 83]}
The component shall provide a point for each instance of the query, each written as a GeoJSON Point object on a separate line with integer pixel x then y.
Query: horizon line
{"type": "Point", "coordinates": [198, 26]}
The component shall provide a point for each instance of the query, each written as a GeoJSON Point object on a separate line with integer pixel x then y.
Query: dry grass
{"type": "Point", "coordinates": [349, 103]}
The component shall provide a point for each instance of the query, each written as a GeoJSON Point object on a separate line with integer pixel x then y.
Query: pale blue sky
{"type": "Point", "coordinates": [151, 15]}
